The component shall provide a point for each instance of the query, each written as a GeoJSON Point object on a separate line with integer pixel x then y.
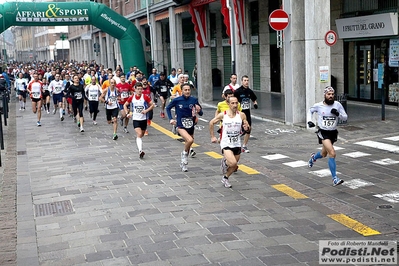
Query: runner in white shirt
{"type": "Point", "coordinates": [93, 93]}
{"type": "Point", "coordinates": [57, 88]}
{"type": "Point", "coordinates": [35, 90]}
{"type": "Point", "coordinates": [230, 142]}
{"type": "Point", "coordinates": [328, 113]}
{"type": "Point", "coordinates": [20, 85]}
{"type": "Point", "coordinates": [233, 84]}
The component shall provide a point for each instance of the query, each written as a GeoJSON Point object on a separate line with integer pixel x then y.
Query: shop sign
{"type": "Point", "coordinates": [385, 24]}
{"type": "Point", "coordinates": [53, 14]}
{"type": "Point", "coordinates": [188, 45]}
{"type": "Point", "coordinates": [393, 53]}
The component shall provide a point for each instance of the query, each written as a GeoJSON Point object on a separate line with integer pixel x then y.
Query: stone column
{"type": "Point", "coordinates": [305, 52]}
{"type": "Point", "coordinates": [103, 51]}
{"type": "Point", "coordinates": [173, 38]}
{"type": "Point", "coordinates": [157, 43]}
{"type": "Point", "coordinates": [264, 46]}
{"type": "Point", "coordinates": [110, 51]}
{"type": "Point", "coordinates": [204, 69]}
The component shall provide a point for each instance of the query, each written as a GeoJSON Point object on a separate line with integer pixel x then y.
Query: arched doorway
{"type": "Point", "coordinates": [78, 13]}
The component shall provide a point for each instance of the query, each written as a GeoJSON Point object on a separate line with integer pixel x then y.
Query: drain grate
{"type": "Point", "coordinates": [385, 206]}
{"type": "Point", "coordinates": [21, 152]}
{"type": "Point", "coordinates": [58, 207]}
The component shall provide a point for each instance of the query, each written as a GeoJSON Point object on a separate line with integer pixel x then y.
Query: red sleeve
{"type": "Point", "coordinates": [147, 98]}
{"type": "Point", "coordinates": [130, 99]}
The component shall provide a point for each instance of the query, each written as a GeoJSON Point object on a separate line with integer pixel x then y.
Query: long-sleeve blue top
{"type": "Point", "coordinates": [184, 109]}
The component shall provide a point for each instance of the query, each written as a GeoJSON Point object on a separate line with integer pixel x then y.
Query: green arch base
{"type": "Point", "coordinates": [78, 13]}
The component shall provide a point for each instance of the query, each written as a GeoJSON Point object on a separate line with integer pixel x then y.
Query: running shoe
{"type": "Point", "coordinates": [184, 157]}
{"type": "Point", "coordinates": [174, 129]}
{"type": "Point", "coordinates": [149, 122]}
{"type": "Point", "coordinates": [244, 149]}
{"type": "Point", "coordinates": [81, 129]}
{"type": "Point", "coordinates": [337, 181]}
{"type": "Point", "coordinates": [78, 124]}
{"type": "Point", "coordinates": [312, 160]}
{"type": "Point", "coordinates": [62, 118]}
{"type": "Point", "coordinates": [141, 154]}
{"type": "Point", "coordinates": [125, 130]}
{"type": "Point", "coordinates": [223, 166]}
{"type": "Point", "coordinates": [21, 109]}
{"type": "Point", "coordinates": [38, 124]}
{"type": "Point", "coordinates": [226, 182]}
{"type": "Point", "coordinates": [162, 115]}
{"type": "Point", "coordinates": [48, 112]}
{"type": "Point", "coordinates": [146, 133]}
{"type": "Point", "coordinates": [115, 137]}
{"type": "Point", "coordinates": [192, 153]}
{"type": "Point", "coordinates": [54, 111]}
{"type": "Point", "coordinates": [183, 167]}
{"type": "Point", "coordinates": [63, 112]}
{"type": "Point", "coordinates": [94, 122]}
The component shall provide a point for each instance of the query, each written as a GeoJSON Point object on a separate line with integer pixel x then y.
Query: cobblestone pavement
{"type": "Point", "coordinates": [84, 199]}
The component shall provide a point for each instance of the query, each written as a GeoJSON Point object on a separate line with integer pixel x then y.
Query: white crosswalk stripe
{"type": "Point", "coordinates": [356, 154]}
{"type": "Point", "coordinates": [275, 156]}
{"type": "Point", "coordinates": [386, 161]}
{"type": "Point", "coordinates": [379, 145]}
{"type": "Point", "coordinates": [357, 183]}
{"type": "Point", "coordinates": [392, 196]}
{"type": "Point", "coordinates": [322, 173]}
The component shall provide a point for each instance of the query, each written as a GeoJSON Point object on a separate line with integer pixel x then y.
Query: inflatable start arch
{"type": "Point", "coordinates": [78, 13]}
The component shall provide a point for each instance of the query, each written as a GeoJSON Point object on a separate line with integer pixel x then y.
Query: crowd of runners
{"type": "Point", "coordinates": [70, 88]}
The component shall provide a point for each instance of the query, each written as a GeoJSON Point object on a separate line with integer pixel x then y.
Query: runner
{"type": "Point", "coordinates": [20, 85]}
{"type": "Point", "coordinates": [141, 105]}
{"type": "Point", "coordinates": [125, 90]}
{"type": "Point", "coordinates": [186, 110]}
{"type": "Point", "coordinates": [45, 96]}
{"type": "Point", "coordinates": [35, 90]}
{"type": "Point", "coordinates": [110, 98]}
{"type": "Point", "coordinates": [163, 86]}
{"type": "Point", "coordinates": [328, 113]}
{"type": "Point", "coordinates": [230, 143]}
{"type": "Point", "coordinates": [57, 88]}
{"type": "Point", "coordinates": [77, 92]}
{"type": "Point", "coordinates": [93, 92]}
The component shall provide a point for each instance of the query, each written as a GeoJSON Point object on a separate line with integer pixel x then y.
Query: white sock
{"type": "Point", "coordinates": [60, 112]}
{"type": "Point", "coordinates": [21, 104]}
{"type": "Point", "coordinates": [139, 143]}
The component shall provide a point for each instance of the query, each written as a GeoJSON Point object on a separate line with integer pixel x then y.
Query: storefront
{"type": "Point", "coordinates": [371, 53]}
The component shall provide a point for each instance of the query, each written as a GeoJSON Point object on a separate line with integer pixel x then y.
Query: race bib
{"type": "Point", "coordinates": [245, 104]}
{"type": "Point", "coordinates": [164, 89]}
{"type": "Point", "coordinates": [93, 97]}
{"type": "Point", "coordinates": [125, 94]}
{"type": "Point", "coordinates": [187, 122]}
{"type": "Point", "coordinates": [138, 109]}
{"type": "Point", "coordinates": [78, 96]}
{"type": "Point", "coordinates": [58, 89]}
{"type": "Point", "coordinates": [329, 121]}
{"type": "Point", "coordinates": [36, 95]}
{"type": "Point", "coordinates": [112, 99]}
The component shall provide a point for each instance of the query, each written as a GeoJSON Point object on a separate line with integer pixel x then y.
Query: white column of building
{"type": "Point", "coordinates": [110, 51]}
{"type": "Point", "coordinates": [179, 41]}
{"type": "Point", "coordinates": [81, 50]}
{"type": "Point", "coordinates": [305, 52]}
{"type": "Point", "coordinates": [173, 38]}
{"type": "Point", "coordinates": [71, 50]}
{"type": "Point", "coordinates": [103, 51]}
{"type": "Point", "coordinates": [157, 43]}
{"type": "Point", "coordinates": [90, 49]}
{"type": "Point", "coordinates": [204, 68]}
{"type": "Point", "coordinates": [244, 50]}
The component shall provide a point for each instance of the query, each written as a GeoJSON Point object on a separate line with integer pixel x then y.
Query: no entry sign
{"type": "Point", "coordinates": [278, 20]}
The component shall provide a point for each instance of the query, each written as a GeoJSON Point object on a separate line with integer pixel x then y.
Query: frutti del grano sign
{"type": "Point", "coordinates": [54, 14]}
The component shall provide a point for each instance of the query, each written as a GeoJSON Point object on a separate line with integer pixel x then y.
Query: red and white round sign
{"type": "Point", "coordinates": [330, 38]}
{"type": "Point", "coordinates": [278, 20]}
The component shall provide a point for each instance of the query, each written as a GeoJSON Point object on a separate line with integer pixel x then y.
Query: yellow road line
{"type": "Point", "coordinates": [169, 133]}
{"type": "Point", "coordinates": [214, 154]}
{"type": "Point", "coordinates": [353, 224]}
{"type": "Point", "coordinates": [247, 170]}
{"type": "Point", "coordinates": [289, 191]}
